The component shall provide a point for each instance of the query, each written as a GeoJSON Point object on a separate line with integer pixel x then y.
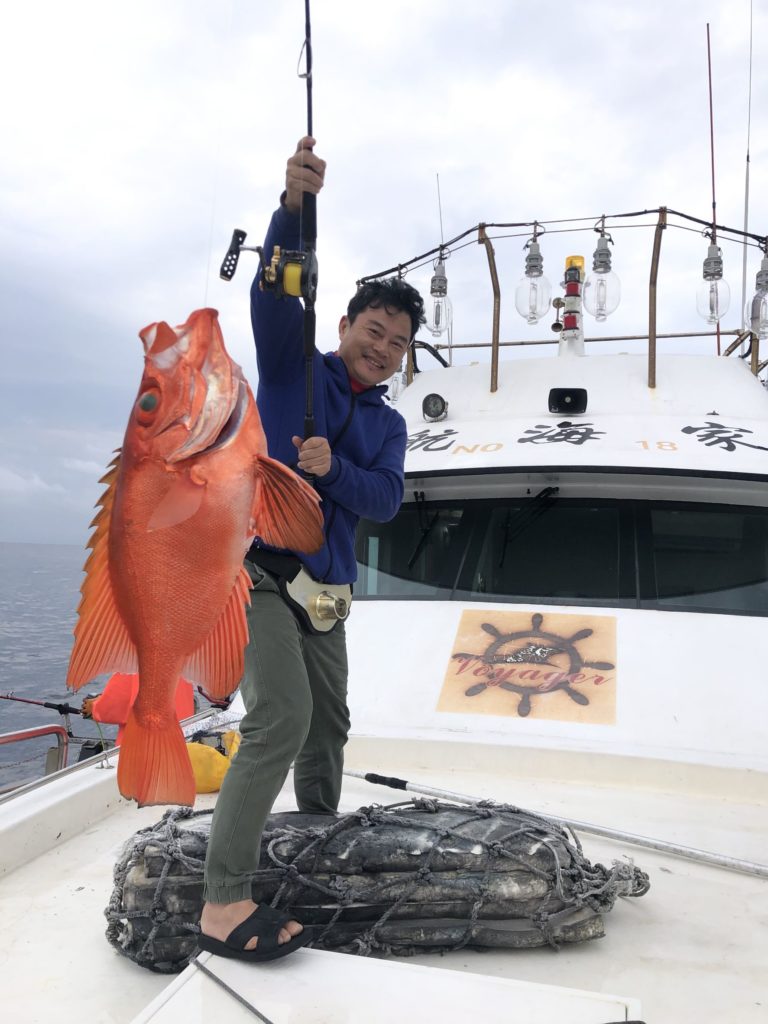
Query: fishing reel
{"type": "Point", "coordinates": [289, 272]}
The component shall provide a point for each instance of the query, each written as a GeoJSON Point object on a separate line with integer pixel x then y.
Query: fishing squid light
{"type": "Point", "coordinates": [533, 292]}
{"type": "Point", "coordinates": [602, 289]}
{"type": "Point", "coordinates": [756, 313]}
{"type": "Point", "coordinates": [713, 296]}
{"type": "Point", "coordinates": [441, 319]}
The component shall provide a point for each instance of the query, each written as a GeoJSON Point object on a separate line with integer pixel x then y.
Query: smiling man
{"type": "Point", "coordinates": [295, 681]}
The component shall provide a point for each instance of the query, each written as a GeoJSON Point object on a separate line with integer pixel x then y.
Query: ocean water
{"type": "Point", "coordinates": [39, 594]}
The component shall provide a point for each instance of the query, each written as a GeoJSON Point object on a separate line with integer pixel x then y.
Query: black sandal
{"type": "Point", "coordinates": [265, 924]}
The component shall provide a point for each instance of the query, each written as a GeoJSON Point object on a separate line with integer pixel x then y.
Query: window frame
{"type": "Point", "coordinates": [638, 587]}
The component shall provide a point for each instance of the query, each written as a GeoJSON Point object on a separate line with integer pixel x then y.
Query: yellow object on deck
{"type": "Point", "coordinates": [209, 767]}
{"type": "Point", "coordinates": [231, 740]}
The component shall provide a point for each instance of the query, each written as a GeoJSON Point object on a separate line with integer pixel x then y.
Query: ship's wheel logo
{"type": "Point", "coordinates": [533, 647]}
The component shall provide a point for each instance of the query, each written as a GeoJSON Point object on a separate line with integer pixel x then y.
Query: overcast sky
{"type": "Point", "coordinates": [137, 136]}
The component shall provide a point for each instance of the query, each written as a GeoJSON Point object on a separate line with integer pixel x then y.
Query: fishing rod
{"type": "Point", "coordinates": [292, 273]}
{"type": "Point", "coordinates": [63, 709]}
{"type": "Point", "coordinates": [309, 236]}
{"type": "Point", "coordinates": [746, 867]}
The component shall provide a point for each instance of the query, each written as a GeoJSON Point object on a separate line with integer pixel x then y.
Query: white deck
{"type": "Point", "coordinates": [691, 949]}
{"type": "Point", "coordinates": [314, 987]}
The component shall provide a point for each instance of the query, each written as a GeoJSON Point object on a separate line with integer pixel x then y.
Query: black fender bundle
{"type": "Point", "coordinates": [423, 875]}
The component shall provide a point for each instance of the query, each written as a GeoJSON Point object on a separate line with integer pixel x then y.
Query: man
{"type": "Point", "coordinates": [295, 682]}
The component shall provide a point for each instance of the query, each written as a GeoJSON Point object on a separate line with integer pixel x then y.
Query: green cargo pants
{"type": "Point", "coordinates": [295, 689]}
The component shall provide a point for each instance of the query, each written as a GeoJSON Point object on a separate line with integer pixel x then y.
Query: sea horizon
{"type": "Point", "coordinates": [39, 594]}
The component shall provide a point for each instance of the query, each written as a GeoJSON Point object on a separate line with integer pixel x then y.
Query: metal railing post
{"type": "Point", "coordinates": [660, 226]}
{"type": "Point", "coordinates": [483, 239]}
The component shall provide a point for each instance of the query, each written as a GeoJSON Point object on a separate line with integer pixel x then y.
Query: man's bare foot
{"type": "Point", "coordinates": [219, 919]}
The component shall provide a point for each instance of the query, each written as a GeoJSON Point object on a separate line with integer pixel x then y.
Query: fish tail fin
{"type": "Point", "coordinates": [154, 766]}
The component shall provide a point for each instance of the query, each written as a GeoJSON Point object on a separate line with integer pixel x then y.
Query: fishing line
{"type": "Point", "coordinates": [217, 165]}
{"type": "Point", "coordinates": [292, 273]}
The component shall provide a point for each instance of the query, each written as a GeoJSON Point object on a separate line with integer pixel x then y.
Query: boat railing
{"type": "Point", "coordinates": [741, 339]}
{"type": "Point", "coordinates": [746, 340]}
{"type": "Point", "coordinates": [57, 756]}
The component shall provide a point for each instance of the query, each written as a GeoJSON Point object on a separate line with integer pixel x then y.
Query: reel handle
{"type": "Point", "coordinates": [229, 263]}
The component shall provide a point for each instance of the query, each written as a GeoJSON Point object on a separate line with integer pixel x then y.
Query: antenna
{"type": "Point", "coordinates": [712, 161]}
{"type": "Point", "coordinates": [440, 209]}
{"type": "Point", "coordinates": [744, 323]}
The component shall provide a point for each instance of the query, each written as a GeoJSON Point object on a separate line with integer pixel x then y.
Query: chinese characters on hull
{"type": "Point", "coordinates": [711, 434]}
{"type": "Point", "coordinates": [562, 433]}
{"type": "Point", "coordinates": [728, 438]}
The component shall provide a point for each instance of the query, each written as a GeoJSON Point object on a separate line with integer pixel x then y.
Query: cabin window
{"type": "Point", "coordinates": [414, 555]}
{"type": "Point", "coordinates": [663, 555]}
{"type": "Point", "coordinates": [555, 551]}
{"type": "Point", "coordinates": [711, 558]}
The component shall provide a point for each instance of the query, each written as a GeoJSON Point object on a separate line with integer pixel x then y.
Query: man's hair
{"type": "Point", "coordinates": [394, 294]}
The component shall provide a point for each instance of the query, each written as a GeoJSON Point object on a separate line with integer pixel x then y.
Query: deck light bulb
{"type": "Point", "coordinates": [714, 294]}
{"type": "Point", "coordinates": [532, 295]}
{"type": "Point", "coordinates": [602, 289]}
{"type": "Point", "coordinates": [756, 312]}
{"type": "Point", "coordinates": [442, 312]}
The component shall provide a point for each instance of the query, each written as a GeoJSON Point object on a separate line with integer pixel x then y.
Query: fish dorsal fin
{"type": "Point", "coordinates": [158, 337]}
{"type": "Point", "coordinates": [286, 510]}
{"type": "Point", "coordinates": [102, 643]}
{"type": "Point", "coordinates": [218, 663]}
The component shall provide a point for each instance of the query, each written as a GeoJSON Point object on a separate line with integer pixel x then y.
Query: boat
{"type": "Point", "coordinates": [564, 617]}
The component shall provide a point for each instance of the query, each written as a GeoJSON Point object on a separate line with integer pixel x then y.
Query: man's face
{"type": "Point", "coordinates": [373, 346]}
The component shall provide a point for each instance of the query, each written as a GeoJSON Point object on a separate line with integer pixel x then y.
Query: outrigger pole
{"type": "Point", "coordinates": [746, 867]}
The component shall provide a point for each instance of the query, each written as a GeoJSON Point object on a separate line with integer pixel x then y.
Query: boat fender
{"type": "Point", "coordinates": [209, 765]}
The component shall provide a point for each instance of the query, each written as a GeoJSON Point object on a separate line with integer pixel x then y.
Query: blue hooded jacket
{"type": "Point", "coordinates": [367, 437]}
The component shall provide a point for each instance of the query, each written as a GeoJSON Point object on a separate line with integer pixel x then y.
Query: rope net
{"type": "Point", "coordinates": [422, 875]}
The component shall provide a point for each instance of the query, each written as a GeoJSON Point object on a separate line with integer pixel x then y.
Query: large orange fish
{"type": "Point", "coordinates": [165, 588]}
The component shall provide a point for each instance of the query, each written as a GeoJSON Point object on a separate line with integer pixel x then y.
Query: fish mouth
{"type": "Point", "coordinates": [232, 426]}
{"type": "Point", "coordinates": [203, 440]}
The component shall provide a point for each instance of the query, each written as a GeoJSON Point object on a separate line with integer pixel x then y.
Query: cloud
{"type": "Point", "coordinates": [83, 466]}
{"type": "Point", "coordinates": [17, 484]}
{"type": "Point", "coordinates": [148, 132]}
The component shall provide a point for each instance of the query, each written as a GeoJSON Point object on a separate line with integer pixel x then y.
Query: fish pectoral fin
{"type": "Point", "coordinates": [286, 510]}
{"type": "Point", "coordinates": [102, 643]}
{"type": "Point", "coordinates": [218, 662]}
{"type": "Point", "coordinates": [154, 766]}
{"type": "Point", "coordinates": [179, 503]}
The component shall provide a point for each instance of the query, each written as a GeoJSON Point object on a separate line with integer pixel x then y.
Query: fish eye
{"type": "Point", "coordinates": [148, 401]}
{"type": "Point", "coordinates": [146, 405]}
